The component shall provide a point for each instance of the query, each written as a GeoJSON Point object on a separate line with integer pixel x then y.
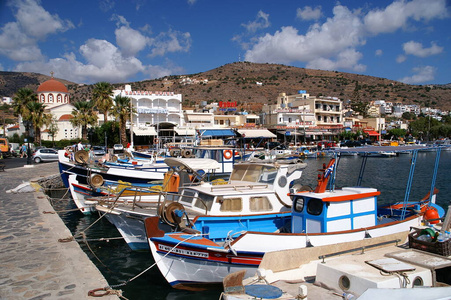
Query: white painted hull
{"type": "Point", "coordinates": [178, 268]}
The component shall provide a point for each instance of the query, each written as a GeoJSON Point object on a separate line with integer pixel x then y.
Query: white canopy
{"type": "Point", "coordinates": [185, 131]}
{"type": "Point", "coordinates": [143, 131]}
{"type": "Point", "coordinates": [193, 163]}
{"type": "Point", "coordinates": [256, 133]}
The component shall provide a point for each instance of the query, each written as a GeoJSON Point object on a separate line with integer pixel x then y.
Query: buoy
{"type": "Point", "coordinates": [431, 214]}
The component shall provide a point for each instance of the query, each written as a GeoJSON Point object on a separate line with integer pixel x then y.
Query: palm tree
{"type": "Point", "coordinates": [22, 97]}
{"type": "Point", "coordinates": [38, 118]}
{"type": "Point", "coordinates": [102, 98]}
{"type": "Point", "coordinates": [83, 115]}
{"type": "Point", "coordinates": [122, 110]}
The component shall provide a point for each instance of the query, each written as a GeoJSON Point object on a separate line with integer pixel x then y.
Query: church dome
{"type": "Point", "coordinates": [52, 85]}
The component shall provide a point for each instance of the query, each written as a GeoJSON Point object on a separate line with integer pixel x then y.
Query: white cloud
{"type": "Point", "coordinates": [401, 58]}
{"type": "Point", "coordinates": [319, 45]}
{"type": "Point", "coordinates": [171, 41]}
{"type": "Point", "coordinates": [130, 40]}
{"type": "Point", "coordinates": [105, 63]}
{"type": "Point", "coordinates": [378, 52]}
{"type": "Point", "coordinates": [397, 14]}
{"type": "Point", "coordinates": [37, 22]}
{"type": "Point", "coordinates": [308, 13]}
{"type": "Point", "coordinates": [347, 59]}
{"type": "Point", "coordinates": [19, 40]}
{"type": "Point", "coordinates": [260, 22]}
{"type": "Point", "coordinates": [416, 49]}
{"type": "Point", "coordinates": [424, 74]}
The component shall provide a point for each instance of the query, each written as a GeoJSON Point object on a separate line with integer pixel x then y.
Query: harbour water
{"type": "Point", "coordinates": [119, 264]}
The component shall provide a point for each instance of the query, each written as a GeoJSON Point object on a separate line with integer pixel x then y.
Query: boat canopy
{"type": "Point", "coordinates": [193, 163]}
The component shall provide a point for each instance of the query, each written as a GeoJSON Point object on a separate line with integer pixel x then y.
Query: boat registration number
{"type": "Point", "coordinates": [183, 251]}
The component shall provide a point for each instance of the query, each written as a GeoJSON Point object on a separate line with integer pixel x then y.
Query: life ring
{"type": "Point", "coordinates": [156, 140]}
{"type": "Point", "coordinates": [228, 154]}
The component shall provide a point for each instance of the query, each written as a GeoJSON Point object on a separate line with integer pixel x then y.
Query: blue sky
{"type": "Point", "coordinates": [88, 41]}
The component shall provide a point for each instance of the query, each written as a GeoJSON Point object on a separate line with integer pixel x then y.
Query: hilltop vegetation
{"type": "Point", "coordinates": [238, 82]}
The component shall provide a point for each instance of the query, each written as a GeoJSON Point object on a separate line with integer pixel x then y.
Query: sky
{"type": "Point", "coordinates": [88, 41]}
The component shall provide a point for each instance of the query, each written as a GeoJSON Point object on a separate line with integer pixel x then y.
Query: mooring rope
{"type": "Point", "coordinates": [155, 263]}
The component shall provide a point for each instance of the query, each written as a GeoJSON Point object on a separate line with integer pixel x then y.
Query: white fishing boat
{"type": "Point", "coordinates": [81, 164]}
{"type": "Point", "coordinates": [252, 189]}
{"type": "Point", "coordinates": [87, 196]}
{"type": "Point", "coordinates": [216, 247]}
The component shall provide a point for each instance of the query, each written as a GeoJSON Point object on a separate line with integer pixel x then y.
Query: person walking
{"type": "Point", "coordinates": [23, 151]}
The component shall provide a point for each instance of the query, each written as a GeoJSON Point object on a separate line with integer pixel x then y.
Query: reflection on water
{"type": "Point", "coordinates": [119, 264]}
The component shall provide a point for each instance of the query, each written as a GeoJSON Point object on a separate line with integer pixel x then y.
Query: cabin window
{"type": "Point", "coordinates": [231, 204]}
{"type": "Point", "coordinates": [204, 201]}
{"type": "Point", "coordinates": [260, 204]}
{"type": "Point", "coordinates": [315, 207]}
{"type": "Point", "coordinates": [188, 196]}
{"type": "Point", "coordinates": [299, 204]}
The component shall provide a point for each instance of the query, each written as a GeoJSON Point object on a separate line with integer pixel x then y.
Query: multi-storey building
{"type": "Point", "coordinates": [302, 117]}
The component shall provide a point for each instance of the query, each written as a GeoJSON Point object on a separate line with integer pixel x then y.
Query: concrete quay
{"type": "Point", "coordinates": [33, 264]}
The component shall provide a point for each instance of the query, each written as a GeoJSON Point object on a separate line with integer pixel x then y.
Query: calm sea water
{"type": "Point", "coordinates": [119, 264]}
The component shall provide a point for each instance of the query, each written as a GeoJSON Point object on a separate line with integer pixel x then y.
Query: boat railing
{"type": "Point", "coordinates": [238, 187]}
{"type": "Point", "coordinates": [362, 249]}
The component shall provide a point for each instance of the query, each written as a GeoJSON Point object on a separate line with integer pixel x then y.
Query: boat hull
{"type": "Point", "coordinates": [190, 260]}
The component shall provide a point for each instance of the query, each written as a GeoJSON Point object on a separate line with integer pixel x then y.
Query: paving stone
{"type": "Point", "coordinates": [34, 265]}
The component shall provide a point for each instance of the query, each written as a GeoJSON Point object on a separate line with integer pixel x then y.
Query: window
{"type": "Point", "coordinates": [59, 98]}
{"type": "Point", "coordinates": [187, 196]}
{"type": "Point", "coordinates": [260, 204]}
{"type": "Point", "coordinates": [232, 204]}
{"type": "Point", "coordinates": [319, 118]}
{"type": "Point", "coordinates": [315, 207]}
{"type": "Point", "coordinates": [50, 98]}
{"type": "Point", "coordinates": [299, 204]}
{"type": "Point", "coordinates": [204, 201]}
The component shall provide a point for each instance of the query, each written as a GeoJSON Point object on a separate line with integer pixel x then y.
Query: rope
{"type": "Point", "coordinates": [155, 263]}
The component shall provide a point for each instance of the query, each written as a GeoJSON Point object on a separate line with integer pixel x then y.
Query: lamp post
{"type": "Point", "coordinates": [28, 129]}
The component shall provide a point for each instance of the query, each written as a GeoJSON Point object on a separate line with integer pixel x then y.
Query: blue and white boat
{"type": "Point", "coordinates": [214, 247]}
{"type": "Point", "coordinates": [256, 189]}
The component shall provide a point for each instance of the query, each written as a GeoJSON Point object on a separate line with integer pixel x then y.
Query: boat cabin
{"type": "Point", "coordinates": [346, 209]}
{"type": "Point", "coordinates": [253, 188]}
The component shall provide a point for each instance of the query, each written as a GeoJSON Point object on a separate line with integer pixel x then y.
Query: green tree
{"type": "Point", "coordinates": [121, 111]}
{"type": "Point", "coordinates": [102, 98]}
{"type": "Point", "coordinates": [22, 97]}
{"type": "Point", "coordinates": [83, 116]}
{"type": "Point", "coordinates": [53, 129]}
{"type": "Point", "coordinates": [397, 133]}
{"type": "Point", "coordinates": [38, 118]}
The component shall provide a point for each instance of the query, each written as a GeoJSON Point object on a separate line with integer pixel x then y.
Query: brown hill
{"type": "Point", "coordinates": [238, 82]}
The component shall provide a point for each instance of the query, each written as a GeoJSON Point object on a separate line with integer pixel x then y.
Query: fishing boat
{"type": "Point", "coordinates": [256, 190]}
{"type": "Point", "coordinates": [80, 164]}
{"type": "Point", "coordinates": [212, 249]}
{"type": "Point", "coordinates": [97, 191]}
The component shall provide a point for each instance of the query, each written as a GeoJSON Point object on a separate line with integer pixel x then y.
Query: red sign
{"type": "Point", "coordinates": [227, 104]}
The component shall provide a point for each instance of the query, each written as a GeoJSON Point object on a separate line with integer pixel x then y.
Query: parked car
{"type": "Point", "coordinates": [118, 148]}
{"type": "Point", "coordinates": [350, 143]}
{"type": "Point", "coordinates": [45, 154]}
{"type": "Point", "coordinates": [98, 150]}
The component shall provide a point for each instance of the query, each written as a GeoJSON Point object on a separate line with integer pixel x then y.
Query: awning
{"type": "Point", "coordinates": [256, 133]}
{"type": "Point", "coordinates": [371, 132]}
{"type": "Point", "coordinates": [216, 132]}
{"type": "Point", "coordinates": [185, 131]}
{"type": "Point", "coordinates": [144, 131]}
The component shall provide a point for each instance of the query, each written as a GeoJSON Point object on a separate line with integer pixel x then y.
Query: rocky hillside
{"type": "Point", "coordinates": [238, 82]}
